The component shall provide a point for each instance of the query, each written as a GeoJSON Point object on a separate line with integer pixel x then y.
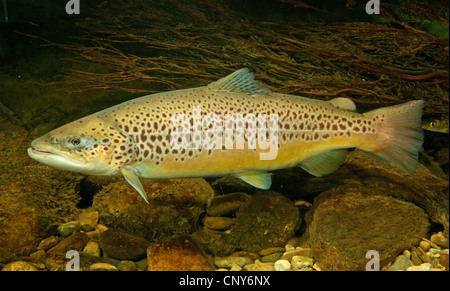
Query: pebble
{"type": "Point", "coordinates": [289, 248]}
{"type": "Point", "coordinates": [422, 255]}
{"type": "Point", "coordinates": [102, 267]}
{"type": "Point", "coordinates": [421, 267]}
{"type": "Point", "coordinates": [218, 223]}
{"type": "Point", "coordinates": [235, 268]}
{"type": "Point", "coordinates": [271, 258]}
{"type": "Point", "coordinates": [282, 265]}
{"type": "Point", "coordinates": [271, 250]}
{"type": "Point", "coordinates": [127, 266]}
{"type": "Point", "coordinates": [226, 204]}
{"type": "Point", "coordinates": [306, 252]}
{"type": "Point", "coordinates": [259, 266]}
{"type": "Point", "coordinates": [443, 260]}
{"type": "Point", "coordinates": [48, 243]}
{"type": "Point", "coordinates": [19, 266]}
{"type": "Point", "coordinates": [76, 241]}
{"type": "Point", "coordinates": [301, 262]}
{"type": "Point", "coordinates": [68, 228]}
{"type": "Point", "coordinates": [122, 245]}
{"type": "Point", "coordinates": [39, 254]}
{"type": "Point", "coordinates": [88, 220]}
{"type": "Point", "coordinates": [401, 263]}
{"type": "Point", "coordinates": [228, 262]}
{"type": "Point", "coordinates": [92, 248]}
{"type": "Point", "coordinates": [440, 239]}
{"type": "Point", "coordinates": [424, 245]}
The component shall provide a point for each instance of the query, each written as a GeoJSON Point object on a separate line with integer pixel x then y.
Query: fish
{"type": "Point", "coordinates": [436, 125]}
{"type": "Point", "coordinates": [235, 126]}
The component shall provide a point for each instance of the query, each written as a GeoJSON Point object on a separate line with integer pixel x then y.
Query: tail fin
{"type": "Point", "coordinates": [401, 134]}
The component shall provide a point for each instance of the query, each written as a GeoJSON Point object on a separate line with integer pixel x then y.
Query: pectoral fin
{"type": "Point", "coordinates": [131, 177]}
{"type": "Point", "coordinates": [258, 179]}
{"type": "Point", "coordinates": [325, 163]}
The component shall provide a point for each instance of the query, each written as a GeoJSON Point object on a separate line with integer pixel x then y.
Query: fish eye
{"type": "Point", "coordinates": [75, 141]}
{"type": "Point", "coordinates": [432, 124]}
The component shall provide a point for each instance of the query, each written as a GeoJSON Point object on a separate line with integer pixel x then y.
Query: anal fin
{"type": "Point", "coordinates": [325, 163]}
{"type": "Point", "coordinates": [258, 179]}
{"type": "Point", "coordinates": [131, 177]}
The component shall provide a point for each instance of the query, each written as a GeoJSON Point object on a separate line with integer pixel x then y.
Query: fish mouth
{"type": "Point", "coordinates": [33, 151]}
{"type": "Point", "coordinates": [57, 160]}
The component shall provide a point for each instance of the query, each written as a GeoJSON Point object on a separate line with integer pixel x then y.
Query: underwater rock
{"type": "Point", "coordinates": [231, 184]}
{"type": "Point", "coordinates": [68, 228]}
{"type": "Point", "coordinates": [422, 188]}
{"type": "Point", "coordinates": [218, 223]}
{"type": "Point", "coordinates": [401, 264]}
{"type": "Point", "coordinates": [174, 206]}
{"type": "Point", "coordinates": [271, 250]}
{"type": "Point", "coordinates": [443, 260]}
{"type": "Point", "coordinates": [347, 221]}
{"type": "Point", "coordinates": [127, 266]}
{"type": "Point", "coordinates": [92, 248]}
{"type": "Point", "coordinates": [440, 239]}
{"type": "Point", "coordinates": [122, 245]}
{"type": "Point", "coordinates": [19, 266]}
{"type": "Point", "coordinates": [271, 217]}
{"type": "Point", "coordinates": [301, 262]}
{"type": "Point", "coordinates": [102, 267]}
{"type": "Point", "coordinates": [48, 243]}
{"type": "Point", "coordinates": [76, 241]}
{"type": "Point", "coordinates": [88, 219]}
{"type": "Point", "coordinates": [226, 204]}
{"type": "Point", "coordinates": [421, 267]}
{"type": "Point", "coordinates": [179, 254]}
{"type": "Point", "coordinates": [259, 266]}
{"type": "Point", "coordinates": [228, 262]}
{"type": "Point", "coordinates": [282, 265]}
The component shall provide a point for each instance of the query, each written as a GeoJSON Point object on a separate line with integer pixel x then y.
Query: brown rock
{"type": "Point", "coordinates": [217, 223]}
{"type": "Point", "coordinates": [443, 260]}
{"type": "Point", "coordinates": [75, 242]}
{"type": "Point", "coordinates": [179, 254]}
{"type": "Point", "coordinates": [267, 219]}
{"type": "Point", "coordinates": [122, 245]}
{"type": "Point", "coordinates": [19, 266]}
{"type": "Point", "coordinates": [347, 221]}
{"type": "Point", "coordinates": [226, 204]}
{"type": "Point", "coordinates": [88, 219]}
{"type": "Point", "coordinates": [174, 206]}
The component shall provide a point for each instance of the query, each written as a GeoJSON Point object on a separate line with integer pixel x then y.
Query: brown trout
{"type": "Point", "coordinates": [234, 126]}
{"type": "Point", "coordinates": [436, 125]}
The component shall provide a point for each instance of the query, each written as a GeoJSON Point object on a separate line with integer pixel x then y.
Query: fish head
{"type": "Point", "coordinates": [89, 146]}
{"type": "Point", "coordinates": [436, 125]}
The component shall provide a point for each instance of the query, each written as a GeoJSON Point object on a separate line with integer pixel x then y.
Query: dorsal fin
{"type": "Point", "coordinates": [343, 103]}
{"type": "Point", "coordinates": [241, 81]}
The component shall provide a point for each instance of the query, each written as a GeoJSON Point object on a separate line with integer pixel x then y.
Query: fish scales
{"type": "Point", "coordinates": [305, 126]}
{"type": "Point", "coordinates": [134, 138]}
